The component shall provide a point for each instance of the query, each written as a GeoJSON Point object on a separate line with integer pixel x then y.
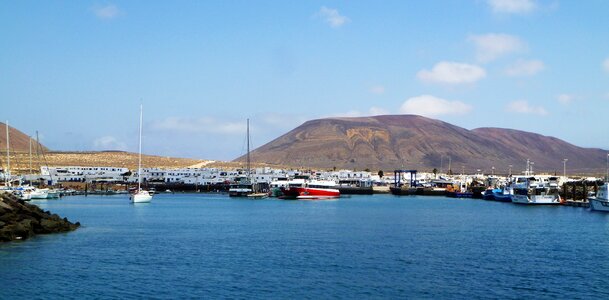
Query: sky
{"type": "Point", "coordinates": [77, 71]}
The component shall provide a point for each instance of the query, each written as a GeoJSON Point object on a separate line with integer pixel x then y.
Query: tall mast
{"type": "Point", "coordinates": [7, 172]}
{"type": "Point", "coordinates": [139, 164]}
{"type": "Point", "coordinates": [30, 169]}
{"type": "Point", "coordinates": [248, 151]}
{"type": "Point", "coordinates": [38, 153]}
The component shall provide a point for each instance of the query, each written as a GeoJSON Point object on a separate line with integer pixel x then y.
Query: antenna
{"type": "Point", "coordinates": [248, 151]}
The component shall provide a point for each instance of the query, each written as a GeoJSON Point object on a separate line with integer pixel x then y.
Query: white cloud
{"type": "Point", "coordinates": [512, 6]}
{"type": "Point", "coordinates": [109, 11]}
{"type": "Point", "coordinates": [452, 73]}
{"type": "Point", "coordinates": [200, 125]}
{"type": "Point", "coordinates": [523, 107]}
{"type": "Point", "coordinates": [565, 99]}
{"type": "Point", "coordinates": [494, 45]}
{"type": "Point", "coordinates": [377, 111]}
{"type": "Point", "coordinates": [430, 106]}
{"type": "Point", "coordinates": [377, 89]}
{"type": "Point", "coordinates": [373, 111]}
{"type": "Point", "coordinates": [109, 143]}
{"type": "Point", "coordinates": [606, 64]}
{"type": "Point", "coordinates": [525, 68]}
{"type": "Point", "coordinates": [332, 17]}
{"type": "Point", "coordinates": [280, 120]}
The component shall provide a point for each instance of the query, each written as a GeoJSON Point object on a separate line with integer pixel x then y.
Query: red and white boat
{"type": "Point", "coordinates": [310, 190]}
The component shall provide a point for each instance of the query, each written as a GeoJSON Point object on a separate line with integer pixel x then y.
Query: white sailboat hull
{"type": "Point", "coordinates": [141, 197]}
{"type": "Point", "coordinates": [39, 194]}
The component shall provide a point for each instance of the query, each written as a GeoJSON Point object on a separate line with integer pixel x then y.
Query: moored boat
{"type": "Point", "coordinates": [39, 193]}
{"type": "Point", "coordinates": [533, 190]}
{"type": "Point", "coordinates": [502, 194]}
{"type": "Point", "coordinates": [140, 195]}
{"type": "Point", "coordinates": [311, 190]}
{"type": "Point", "coordinates": [600, 201]}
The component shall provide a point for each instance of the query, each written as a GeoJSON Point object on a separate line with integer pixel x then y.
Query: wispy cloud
{"type": "Point", "coordinates": [512, 6]}
{"type": "Point", "coordinates": [523, 107]}
{"type": "Point", "coordinates": [199, 125]}
{"type": "Point", "coordinates": [494, 45]}
{"type": "Point", "coordinates": [430, 106]}
{"type": "Point", "coordinates": [332, 17]}
{"type": "Point", "coordinates": [606, 64]}
{"type": "Point", "coordinates": [377, 111]}
{"type": "Point", "coordinates": [565, 99]}
{"type": "Point", "coordinates": [280, 121]}
{"type": "Point", "coordinates": [452, 73]}
{"type": "Point", "coordinates": [109, 143]}
{"type": "Point", "coordinates": [525, 68]}
{"type": "Point", "coordinates": [106, 12]}
{"type": "Point", "coordinates": [377, 89]}
{"type": "Point", "coordinates": [373, 111]}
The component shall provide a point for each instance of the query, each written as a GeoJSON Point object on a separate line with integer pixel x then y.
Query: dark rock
{"type": "Point", "coordinates": [21, 220]}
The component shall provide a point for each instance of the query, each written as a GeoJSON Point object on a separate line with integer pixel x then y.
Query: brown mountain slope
{"type": "Point", "coordinates": [408, 141]}
{"type": "Point", "coordinates": [19, 141]}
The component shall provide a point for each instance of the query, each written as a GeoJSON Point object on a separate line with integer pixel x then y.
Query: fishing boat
{"type": "Point", "coordinates": [600, 201]}
{"type": "Point", "coordinates": [311, 190]}
{"type": "Point", "coordinates": [503, 194]}
{"type": "Point", "coordinates": [140, 195]}
{"type": "Point", "coordinates": [536, 190]}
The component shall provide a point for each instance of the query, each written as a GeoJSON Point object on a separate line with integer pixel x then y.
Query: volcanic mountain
{"type": "Point", "coordinates": [19, 141]}
{"type": "Point", "coordinates": [413, 142]}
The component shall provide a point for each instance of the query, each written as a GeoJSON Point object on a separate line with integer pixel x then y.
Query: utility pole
{"type": "Point", "coordinates": [449, 169]}
{"type": "Point", "coordinates": [564, 168]}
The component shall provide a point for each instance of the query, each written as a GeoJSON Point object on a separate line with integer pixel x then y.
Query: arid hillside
{"type": "Point", "coordinates": [19, 141]}
{"type": "Point", "coordinates": [414, 142]}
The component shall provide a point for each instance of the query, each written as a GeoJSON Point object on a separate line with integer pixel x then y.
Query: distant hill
{"type": "Point", "coordinates": [19, 141]}
{"type": "Point", "coordinates": [20, 159]}
{"type": "Point", "coordinates": [414, 142]}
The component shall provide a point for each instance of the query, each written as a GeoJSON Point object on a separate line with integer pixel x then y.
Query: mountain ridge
{"type": "Point", "coordinates": [19, 141]}
{"type": "Point", "coordinates": [410, 141]}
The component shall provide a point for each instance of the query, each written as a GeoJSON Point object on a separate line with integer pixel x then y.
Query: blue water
{"type": "Point", "coordinates": [381, 246]}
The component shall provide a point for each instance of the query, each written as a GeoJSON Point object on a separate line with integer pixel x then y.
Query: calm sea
{"type": "Point", "coordinates": [381, 246]}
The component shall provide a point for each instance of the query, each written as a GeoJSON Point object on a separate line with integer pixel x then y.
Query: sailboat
{"type": "Point", "coordinates": [247, 188]}
{"type": "Point", "coordinates": [140, 195]}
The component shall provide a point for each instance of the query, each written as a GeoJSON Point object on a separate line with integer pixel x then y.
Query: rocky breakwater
{"type": "Point", "coordinates": [20, 220]}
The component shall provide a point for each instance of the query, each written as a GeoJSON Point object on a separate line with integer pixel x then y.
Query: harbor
{"type": "Point", "coordinates": [114, 180]}
{"type": "Point", "coordinates": [203, 243]}
{"type": "Point", "coordinates": [304, 149]}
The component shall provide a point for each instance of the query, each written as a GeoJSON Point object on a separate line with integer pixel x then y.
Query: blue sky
{"type": "Point", "coordinates": [77, 71]}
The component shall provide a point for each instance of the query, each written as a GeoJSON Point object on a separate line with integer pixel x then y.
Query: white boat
{"type": "Point", "coordinates": [39, 193]}
{"type": "Point", "coordinates": [53, 194]}
{"type": "Point", "coordinates": [600, 201]}
{"type": "Point", "coordinates": [140, 195]}
{"type": "Point", "coordinates": [536, 190]}
{"type": "Point", "coordinates": [22, 193]}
